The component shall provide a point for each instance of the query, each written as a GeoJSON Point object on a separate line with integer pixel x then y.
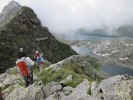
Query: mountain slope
{"type": "Point", "coordinates": [24, 29]}
{"type": "Point", "coordinates": [74, 78]}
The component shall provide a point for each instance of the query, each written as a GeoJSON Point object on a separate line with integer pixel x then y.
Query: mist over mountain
{"type": "Point", "coordinates": [122, 31]}
{"type": "Point", "coordinates": [68, 16]}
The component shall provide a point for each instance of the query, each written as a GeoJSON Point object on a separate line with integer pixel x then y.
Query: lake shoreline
{"type": "Point", "coordinates": [88, 47]}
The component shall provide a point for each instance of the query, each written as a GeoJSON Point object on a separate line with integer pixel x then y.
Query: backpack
{"type": "Point", "coordinates": [22, 68]}
{"type": "Point", "coordinates": [29, 62]}
{"type": "Point", "coordinates": [38, 60]}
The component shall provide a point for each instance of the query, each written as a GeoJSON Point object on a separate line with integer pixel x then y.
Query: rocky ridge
{"type": "Point", "coordinates": [119, 87]}
{"type": "Point", "coordinates": [20, 27]}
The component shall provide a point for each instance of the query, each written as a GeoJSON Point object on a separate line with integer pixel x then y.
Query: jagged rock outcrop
{"type": "Point", "coordinates": [67, 90]}
{"type": "Point", "coordinates": [52, 87]}
{"type": "Point", "coordinates": [22, 28]}
{"type": "Point", "coordinates": [79, 92]}
{"type": "Point", "coordinates": [33, 92]}
{"type": "Point", "coordinates": [119, 87]}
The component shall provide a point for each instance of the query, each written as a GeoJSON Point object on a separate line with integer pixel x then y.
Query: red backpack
{"type": "Point", "coordinates": [23, 68]}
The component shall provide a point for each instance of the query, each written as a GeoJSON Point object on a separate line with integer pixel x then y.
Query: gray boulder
{"type": "Point", "coordinates": [94, 86]}
{"type": "Point", "coordinates": [33, 92]}
{"type": "Point", "coordinates": [56, 96]}
{"type": "Point", "coordinates": [68, 78]}
{"type": "Point", "coordinates": [51, 88]}
{"type": "Point", "coordinates": [67, 90]}
{"type": "Point", "coordinates": [115, 88]}
{"type": "Point", "coordinates": [79, 92]}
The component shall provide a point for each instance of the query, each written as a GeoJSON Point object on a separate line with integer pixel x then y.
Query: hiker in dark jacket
{"type": "Point", "coordinates": [21, 53]}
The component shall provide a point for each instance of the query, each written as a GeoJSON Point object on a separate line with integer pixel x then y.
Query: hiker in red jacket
{"type": "Point", "coordinates": [36, 54]}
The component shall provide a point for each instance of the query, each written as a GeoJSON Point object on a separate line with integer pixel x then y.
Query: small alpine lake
{"type": "Point", "coordinates": [110, 69]}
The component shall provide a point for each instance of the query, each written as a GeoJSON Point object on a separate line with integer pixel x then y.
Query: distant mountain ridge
{"type": "Point", "coordinates": [124, 30]}
{"type": "Point", "coordinates": [20, 27]}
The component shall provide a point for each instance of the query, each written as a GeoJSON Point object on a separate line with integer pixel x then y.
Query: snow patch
{"type": "Point", "coordinates": [107, 43]}
{"type": "Point", "coordinates": [114, 51]}
{"type": "Point", "coordinates": [123, 58]}
{"type": "Point", "coordinates": [131, 44]}
{"type": "Point", "coordinates": [127, 44]}
{"type": "Point", "coordinates": [106, 54]}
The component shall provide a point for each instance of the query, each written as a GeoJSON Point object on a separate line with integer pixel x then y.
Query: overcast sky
{"type": "Point", "coordinates": [65, 16]}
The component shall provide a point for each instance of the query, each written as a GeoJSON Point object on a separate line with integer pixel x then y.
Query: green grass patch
{"type": "Point", "coordinates": [36, 69]}
{"type": "Point", "coordinates": [77, 79]}
{"type": "Point", "coordinates": [76, 69]}
{"type": "Point", "coordinates": [57, 76]}
{"type": "Point", "coordinates": [14, 71]}
{"type": "Point", "coordinates": [93, 62]}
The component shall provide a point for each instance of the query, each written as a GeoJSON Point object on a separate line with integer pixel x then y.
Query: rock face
{"type": "Point", "coordinates": [51, 88]}
{"type": "Point", "coordinates": [33, 92]}
{"type": "Point", "coordinates": [20, 27]}
{"type": "Point", "coordinates": [79, 92]}
{"type": "Point", "coordinates": [115, 88]}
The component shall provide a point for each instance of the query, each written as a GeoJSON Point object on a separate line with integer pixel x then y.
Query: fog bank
{"type": "Point", "coordinates": [67, 16]}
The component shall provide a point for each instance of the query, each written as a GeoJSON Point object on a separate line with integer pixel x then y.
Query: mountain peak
{"type": "Point", "coordinates": [13, 5]}
{"type": "Point", "coordinates": [22, 28]}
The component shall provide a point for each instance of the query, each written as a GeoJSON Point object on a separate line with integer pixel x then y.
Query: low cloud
{"type": "Point", "coordinates": [67, 16]}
